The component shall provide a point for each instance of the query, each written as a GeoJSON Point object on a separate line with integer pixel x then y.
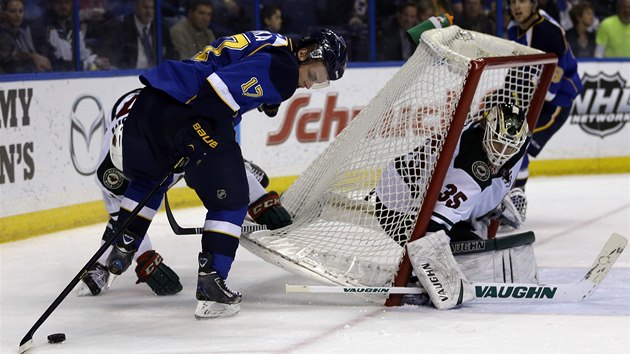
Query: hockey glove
{"type": "Point", "coordinates": [268, 211]}
{"type": "Point", "coordinates": [510, 215]}
{"type": "Point", "coordinates": [160, 277]}
{"type": "Point", "coordinates": [270, 109]}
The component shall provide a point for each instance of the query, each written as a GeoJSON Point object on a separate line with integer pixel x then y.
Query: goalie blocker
{"type": "Point", "coordinates": [448, 279]}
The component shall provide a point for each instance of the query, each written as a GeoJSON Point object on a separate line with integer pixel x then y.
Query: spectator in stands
{"type": "Point", "coordinates": [54, 35]}
{"type": "Point", "coordinates": [131, 42]}
{"type": "Point", "coordinates": [425, 10]}
{"type": "Point", "coordinates": [392, 40]}
{"type": "Point", "coordinates": [551, 8]}
{"type": "Point", "coordinates": [474, 19]}
{"type": "Point", "coordinates": [191, 34]}
{"type": "Point", "coordinates": [604, 8]}
{"type": "Point", "coordinates": [17, 53]}
{"type": "Point", "coordinates": [231, 16]}
{"type": "Point", "coordinates": [443, 6]}
{"type": "Point", "coordinates": [613, 35]}
{"type": "Point", "coordinates": [271, 18]}
{"type": "Point", "coordinates": [581, 40]}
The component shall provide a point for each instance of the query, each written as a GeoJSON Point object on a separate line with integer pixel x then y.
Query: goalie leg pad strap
{"type": "Point", "coordinates": [438, 272]}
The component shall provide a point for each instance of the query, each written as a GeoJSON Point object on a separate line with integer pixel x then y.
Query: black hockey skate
{"type": "Point", "coordinates": [122, 253]}
{"type": "Point", "coordinates": [215, 299]}
{"type": "Point", "coordinates": [94, 281]}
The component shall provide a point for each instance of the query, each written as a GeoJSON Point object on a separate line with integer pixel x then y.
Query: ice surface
{"type": "Point", "coordinates": [571, 216]}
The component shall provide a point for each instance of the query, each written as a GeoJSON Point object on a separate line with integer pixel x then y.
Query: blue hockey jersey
{"type": "Point", "coordinates": [547, 35]}
{"type": "Point", "coordinates": [245, 70]}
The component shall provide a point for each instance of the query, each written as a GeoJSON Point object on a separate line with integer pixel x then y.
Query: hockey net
{"type": "Point", "coordinates": [451, 80]}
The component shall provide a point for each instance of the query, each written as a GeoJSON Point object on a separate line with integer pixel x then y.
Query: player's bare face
{"type": "Point", "coordinates": [313, 75]}
{"type": "Point", "coordinates": [521, 10]}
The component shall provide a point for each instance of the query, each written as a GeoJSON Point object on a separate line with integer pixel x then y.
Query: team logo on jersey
{"type": "Point", "coordinates": [252, 88]}
{"type": "Point", "coordinates": [481, 170]}
{"type": "Point", "coordinates": [87, 122]}
{"type": "Point", "coordinates": [602, 108]}
{"type": "Point", "coordinates": [221, 194]}
{"type": "Point", "coordinates": [113, 179]}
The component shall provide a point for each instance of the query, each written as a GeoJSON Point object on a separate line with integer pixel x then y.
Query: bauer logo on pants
{"type": "Point", "coordinates": [87, 128]}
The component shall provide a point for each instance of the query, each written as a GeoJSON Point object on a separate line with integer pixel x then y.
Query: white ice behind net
{"type": "Point", "coordinates": [335, 235]}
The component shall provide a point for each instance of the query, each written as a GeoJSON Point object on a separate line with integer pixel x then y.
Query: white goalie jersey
{"type": "Point", "coordinates": [471, 188]}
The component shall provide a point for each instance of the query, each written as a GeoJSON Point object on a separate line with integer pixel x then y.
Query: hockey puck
{"type": "Point", "coordinates": [56, 338]}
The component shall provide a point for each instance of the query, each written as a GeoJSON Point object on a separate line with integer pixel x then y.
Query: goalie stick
{"type": "Point", "coordinates": [178, 230]}
{"type": "Point", "coordinates": [499, 292]}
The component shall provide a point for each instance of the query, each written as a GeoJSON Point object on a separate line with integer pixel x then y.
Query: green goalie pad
{"type": "Point", "coordinates": [495, 244]}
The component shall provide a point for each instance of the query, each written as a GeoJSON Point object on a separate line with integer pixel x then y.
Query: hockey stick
{"type": "Point", "coordinates": [178, 230]}
{"type": "Point", "coordinates": [499, 292]}
{"type": "Point", "coordinates": [27, 341]}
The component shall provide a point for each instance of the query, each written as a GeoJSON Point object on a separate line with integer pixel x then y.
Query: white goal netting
{"type": "Point", "coordinates": [338, 234]}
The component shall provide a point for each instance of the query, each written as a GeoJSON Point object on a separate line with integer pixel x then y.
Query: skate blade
{"type": "Point", "coordinates": [110, 280]}
{"type": "Point", "coordinates": [83, 290]}
{"type": "Point", "coordinates": [211, 309]}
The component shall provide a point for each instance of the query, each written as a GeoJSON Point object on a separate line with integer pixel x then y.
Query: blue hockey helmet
{"type": "Point", "coordinates": [331, 50]}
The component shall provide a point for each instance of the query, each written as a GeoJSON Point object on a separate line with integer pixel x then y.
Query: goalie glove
{"type": "Point", "coordinates": [270, 109]}
{"type": "Point", "coordinates": [160, 277]}
{"type": "Point", "coordinates": [268, 211]}
{"type": "Point", "coordinates": [507, 213]}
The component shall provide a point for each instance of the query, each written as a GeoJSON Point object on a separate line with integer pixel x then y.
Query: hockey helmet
{"type": "Point", "coordinates": [115, 147]}
{"type": "Point", "coordinates": [505, 132]}
{"type": "Point", "coordinates": [331, 50]}
{"type": "Point", "coordinates": [120, 111]}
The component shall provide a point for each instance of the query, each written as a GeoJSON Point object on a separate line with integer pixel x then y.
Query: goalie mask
{"type": "Point", "coordinates": [331, 50]}
{"type": "Point", "coordinates": [505, 132]}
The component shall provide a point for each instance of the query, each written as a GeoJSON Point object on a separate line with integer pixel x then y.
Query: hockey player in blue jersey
{"type": "Point", "coordinates": [110, 179]}
{"type": "Point", "coordinates": [189, 109]}
{"type": "Point", "coordinates": [535, 28]}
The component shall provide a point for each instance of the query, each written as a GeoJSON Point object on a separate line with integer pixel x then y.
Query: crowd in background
{"type": "Point", "coordinates": [38, 35]}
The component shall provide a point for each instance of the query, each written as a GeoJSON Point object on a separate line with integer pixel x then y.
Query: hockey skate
{"type": "Point", "coordinates": [215, 299]}
{"type": "Point", "coordinates": [94, 281]}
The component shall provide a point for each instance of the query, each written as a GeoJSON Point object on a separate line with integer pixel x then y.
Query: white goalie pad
{"type": "Point", "coordinates": [512, 265]}
{"type": "Point", "coordinates": [438, 272]}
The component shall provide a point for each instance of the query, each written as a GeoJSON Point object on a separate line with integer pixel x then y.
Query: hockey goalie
{"type": "Point", "coordinates": [475, 191]}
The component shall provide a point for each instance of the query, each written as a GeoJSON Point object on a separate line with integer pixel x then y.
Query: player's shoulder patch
{"type": "Point", "coordinates": [480, 170]}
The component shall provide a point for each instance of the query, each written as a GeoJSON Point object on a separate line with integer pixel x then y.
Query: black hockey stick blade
{"type": "Point", "coordinates": [178, 230]}
{"type": "Point", "coordinates": [27, 341]}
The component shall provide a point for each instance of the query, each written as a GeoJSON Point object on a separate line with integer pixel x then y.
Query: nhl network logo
{"type": "Point", "coordinates": [603, 108]}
